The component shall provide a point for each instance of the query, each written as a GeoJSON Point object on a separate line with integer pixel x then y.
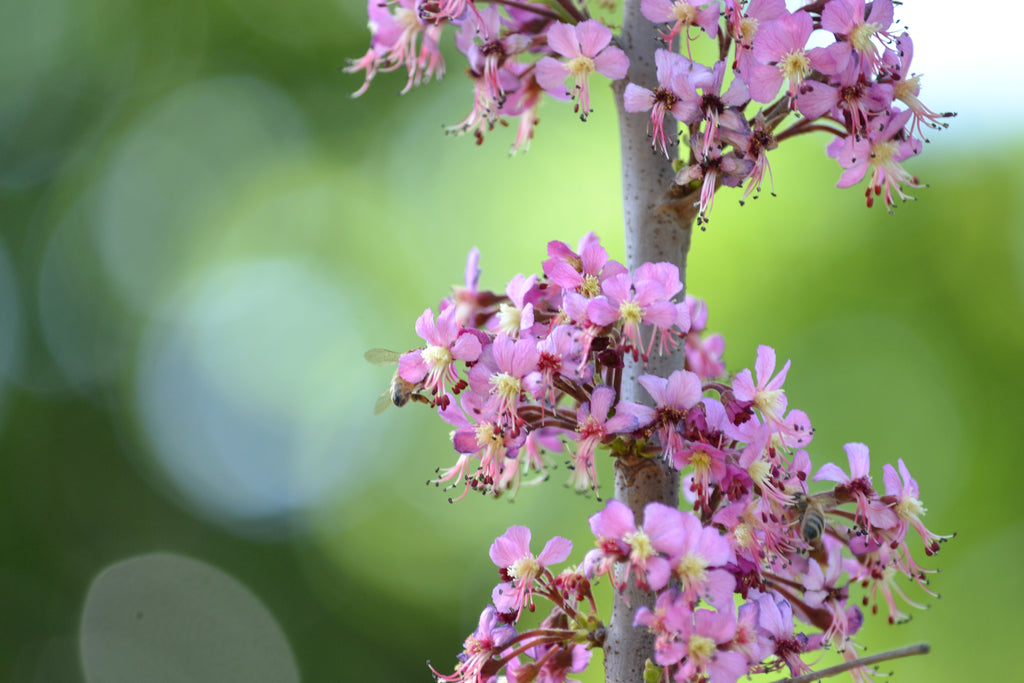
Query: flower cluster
{"type": "Point", "coordinates": [761, 571]}
{"type": "Point", "coordinates": [563, 642]}
{"type": "Point", "coordinates": [757, 572]}
{"type": "Point", "coordinates": [854, 82]}
{"type": "Point", "coordinates": [537, 371]}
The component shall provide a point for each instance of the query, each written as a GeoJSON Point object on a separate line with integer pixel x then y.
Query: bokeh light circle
{"type": "Point", "coordinates": [165, 618]}
{"type": "Point", "coordinates": [245, 392]}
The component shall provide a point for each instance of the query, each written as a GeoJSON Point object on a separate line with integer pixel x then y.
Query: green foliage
{"type": "Point", "coordinates": [149, 149]}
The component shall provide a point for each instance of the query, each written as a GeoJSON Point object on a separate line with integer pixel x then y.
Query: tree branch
{"type": "Point", "coordinates": [919, 649]}
{"type": "Point", "coordinates": [657, 228]}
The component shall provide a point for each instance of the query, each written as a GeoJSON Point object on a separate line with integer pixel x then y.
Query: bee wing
{"type": "Point", "coordinates": [383, 401]}
{"type": "Point", "coordinates": [382, 356]}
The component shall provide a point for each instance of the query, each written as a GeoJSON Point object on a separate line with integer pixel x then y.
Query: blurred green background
{"type": "Point", "coordinates": [202, 233]}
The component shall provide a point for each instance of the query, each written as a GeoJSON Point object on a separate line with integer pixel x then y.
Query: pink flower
{"type": "Point", "coordinates": [435, 364]}
{"type": "Point", "coordinates": [501, 372]}
{"type": "Point", "coordinates": [682, 14]}
{"type": "Point", "coordinates": [467, 298]}
{"type": "Point", "coordinates": [673, 398]}
{"type": "Point", "coordinates": [775, 617]}
{"type": "Point", "coordinates": [907, 87]}
{"type": "Point", "coordinates": [488, 56]}
{"type": "Point", "coordinates": [517, 317]}
{"type": "Point", "coordinates": [779, 49]}
{"type": "Point", "coordinates": [846, 18]}
{"type": "Point", "coordinates": [674, 95]}
{"type": "Point", "coordinates": [712, 168]}
{"type": "Point", "coordinates": [586, 46]}
{"type": "Point", "coordinates": [631, 304]}
{"type": "Point", "coordinates": [703, 639]}
{"type": "Point", "coordinates": [703, 549]}
{"type": "Point", "coordinates": [848, 97]}
{"type": "Point", "coordinates": [593, 426]}
{"type": "Point", "coordinates": [703, 354]}
{"type": "Point", "coordinates": [880, 151]}
{"type": "Point", "coordinates": [858, 486]}
{"type": "Point", "coordinates": [400, 39]}
{"type": "Point", "coordinates": [767, 395]}
{"type": "Point", "coordinates": [519, 568]}
{"type": "Point", "coordinates": [584, 272]}
{"type": "Point", "coordinates": [716, 106]}
{"type": "Point", "coordinates": [908, 506]}
{"type": "Point", "coordinates": [476, 662]}
{"type": "Point", "coordinates": [646, 550]}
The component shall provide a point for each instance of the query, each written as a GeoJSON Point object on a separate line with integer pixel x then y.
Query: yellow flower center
{"type": "Point", "coordinates": [437, 358]}
{"type": "Point", "coordinates": [883, 152]}
{"type": "Point", "coordinates": [407, 19]}
{"type": "Point", "coordinates": [765, 401]}
{"type": "Point", "coordinates": [861, 36]}
{"type": "Point", "coordinates": [701, 648]}
{"type": "Point", "coordinates": [581, 67]}
{"type": "Point", "coordinates": [630, 313]}
{"type": "Point", "coordinates": [506, 386]}
{"type": "Point", "coordinates": [591, 286]}
{"type": "Point", "coordinates": [525, 569]}
{"type": "Point", "coordinates": [742, 534]}
{"type": "Point", "coordinates": [485, 435]}
{"type": "Point", "coordinates": [910, 509]}
{"type": "Point", "coordinates": [692, 569]}
{"type": "Point", "coordinates": [684, 13]}
{"type": "Point", "coordinates": [795, 66]}
{"type": "Point", "coordinates": [509, 318]}
{"type": "Point", "coordinates": [701, 462]}
{"type": "Point", "coordinates": [640, 545]}
{"type": "Point", "coordinates": [758, 471]}
{"type": "Point", "coordinates": [904, 90]}
{"type": "Point", "coordinates": [748, 29]}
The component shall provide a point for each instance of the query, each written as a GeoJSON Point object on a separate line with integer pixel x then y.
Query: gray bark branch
{"type": "Point", "coordinates": [658, 224]}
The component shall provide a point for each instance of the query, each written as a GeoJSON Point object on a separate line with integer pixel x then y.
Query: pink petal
{"type": "Point", "coordinates": [562, 39]}
{"type": "Point", "coordinates": [660, 314]}
{"type": "Point", "coordinates": [765, 364]}
{"type": "Point", "coordinates": [601, 311]}
{"type": "Point", "coordinates": [831, 472]}
{"type": "Point", "coordinates": [658, 11]}
{"type": "Point", "coordinates": [909, 482]}
{"type": "Point", "coordinates": [593, 36]}
{"type": "Point", "coordinates": [893, 485]}
{"type": "Point", "coordinates": [615, 521]}
{"type": "Point", "coordinates": [601, 402]}
{"type": "Point", "coordinates": [411, 367]}
{"type": "Point", "coordinates": [636, 99]}
{"type": "Point", "coordinates": [551, 74]}
{"type": "Point", "coordinates": [613, 63]}
{"type": "Point", "coordinates": [860, 460]}
{"type": "Point", "coordinates": [661, 524]}
{"type": "Point", "coordinates": [743, 386]}
{"type": "Point", "coordinates": [684, 389]}
{"type": "Point", "coordinates": [466, 347]}
{"type": "Point", "coordinates": [563, 275]}
{"type": "Point", "coordinates": [816, 99]}
{"type": "Point", "coordinates": [426, 329]}
{"type": "Point", "coordinates": [511, 546]}
{"type": "Point", "coordinates": [555, 550]}
{"type": "Point", "coordinates": [658, 573]}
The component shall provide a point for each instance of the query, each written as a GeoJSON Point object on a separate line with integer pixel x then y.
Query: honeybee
{"type": "Point", "coordinates": [400, 391]}
{"type": "Point", "coordinates": [811, 520]}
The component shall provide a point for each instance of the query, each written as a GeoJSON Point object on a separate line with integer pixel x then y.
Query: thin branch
{"type": "Point", "coordinates": [919, 649]}
{"type": "Point", "coordinates": [540, 11]}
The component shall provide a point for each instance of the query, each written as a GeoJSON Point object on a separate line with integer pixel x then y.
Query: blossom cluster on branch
{"type": "Point", "coordinates": [841, 66]}
{"type": "Point", "coordinates": [756, 574]}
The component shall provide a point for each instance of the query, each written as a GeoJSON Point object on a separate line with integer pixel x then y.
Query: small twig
{"type": "Point", "coordinates": [919, 649]}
